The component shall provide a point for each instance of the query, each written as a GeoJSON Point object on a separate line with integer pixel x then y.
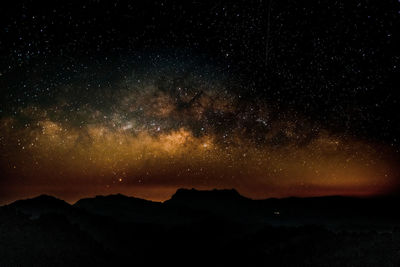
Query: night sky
{"type": "Point", "coordinates": [272, 98]}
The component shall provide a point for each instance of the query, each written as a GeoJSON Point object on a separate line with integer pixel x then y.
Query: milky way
{"type": "Point", "coordinates": [149, 133]}
{"type": "Point", "coordinates": [272, 98]}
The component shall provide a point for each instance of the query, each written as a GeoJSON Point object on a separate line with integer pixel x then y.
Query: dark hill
{"type": "Point", "coordinates": [40, 205]}
{"type": "Point", "coordinates": [42, 201]}
{"type": "Point", "coordinates": [333, 207]}
{"type": "Point", "coordinates": [120, 207]}
{"type": "Point", "coordinates": [206, 195]}
{"type": "Point", "coordinates": [198, 228]}
{"type": "Point", "coordinates": [197, 205]}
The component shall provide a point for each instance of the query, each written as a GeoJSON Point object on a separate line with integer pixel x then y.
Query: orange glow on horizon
{"type": "Point", "coordinates": [72, 163]}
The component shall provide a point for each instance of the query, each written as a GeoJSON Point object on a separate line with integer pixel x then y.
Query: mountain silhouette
{"type": "Point", "coordinates": [193, 197]}
{"type": "Point", "coordinates": [215, 194]}
{"type": "Point", "coordinates": [39, 205]}
{"type": "Point", "coordinates": [197, 228]}
{"type": "Point", "coordinates": [120, 207]}
{"type": "Point", "coordinates": [42, 201]}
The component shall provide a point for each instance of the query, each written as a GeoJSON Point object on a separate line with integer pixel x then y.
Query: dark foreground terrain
{"type": "Point", "coordinates": [200, 228]}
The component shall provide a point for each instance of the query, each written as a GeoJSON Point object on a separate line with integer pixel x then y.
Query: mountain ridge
{"type": "Point", "coordinates": [227, 203]}
{"type": "Point", "coordinates": [184, 193]}
{"type": "Point", "coordinates": [209, 225]}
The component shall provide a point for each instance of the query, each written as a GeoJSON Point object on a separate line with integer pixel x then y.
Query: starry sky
{"type": "Point", "coordinates": [272, 98]}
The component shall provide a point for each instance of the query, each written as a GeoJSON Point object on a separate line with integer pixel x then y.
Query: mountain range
{"type": "Point", "coordinates": [197, 228]}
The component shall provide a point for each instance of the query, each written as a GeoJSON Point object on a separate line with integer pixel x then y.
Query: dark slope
{"type": "Point", "coordinates": [334, 205]}
{"type": "Point", "coordinates": [218, 204]}
{"type": "Point", "coordinates": [41, 204]}
{"type": "Point", "coordinates": [203, 199]}
{"type": "Point", "coordinates": [191, 205]}
{"type": "Point", "coordinates": [36, 232]}
{"type": "Point", "coordinates": [333, 211]}
{"type": "Point", "coordinates": [200, 228]}
{"type": "Point", "coordinates": [121, 207]}
{"type": "Point", "coordinates": [192, 195]}
{"type": "Point", "coordinates": [330, 211]}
